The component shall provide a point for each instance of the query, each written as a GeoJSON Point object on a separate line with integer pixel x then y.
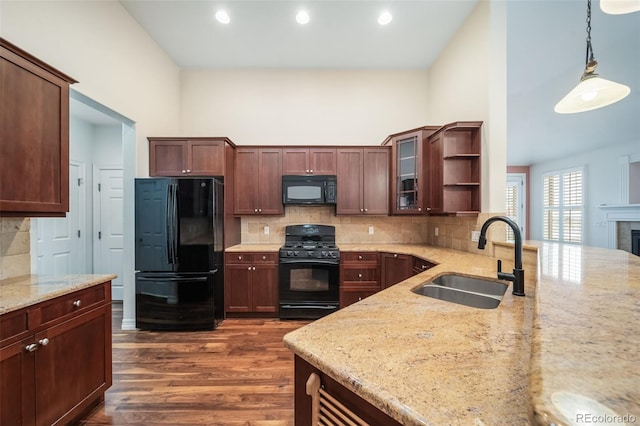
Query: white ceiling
{"type": "Point", "coordinates": [545, 53]}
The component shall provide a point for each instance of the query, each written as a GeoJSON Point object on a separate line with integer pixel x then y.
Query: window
{"type": "Point", "coordinates": [563, 204]}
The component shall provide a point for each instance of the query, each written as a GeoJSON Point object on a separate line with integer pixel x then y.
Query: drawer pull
{"type": "Point", "coordinates": [359, 275]}
{"type": "Point", "coordinates": [249, 268]}
{"type": "Point", "coordinates": [239, 257]}
{"type": "Point", "coordinates": [31, 348]}
{"type": "Point", "coordinates": [264, 257]}
{"type": "Point", "coordinates": [77, 303]}
{"type": "Point", "coordinates": [395, 255]}
{"type": "Point", "coordinates": [44, 342]}
{"type": "Point", "coordinates": [359, 257]}
{"type": "Point", "coordinates": [424, 266]}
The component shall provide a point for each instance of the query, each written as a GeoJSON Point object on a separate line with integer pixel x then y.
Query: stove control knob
{"type": "Point", "coordinates": [295, 253]}
{"type": "Point", "coordinates": [324, 254]}
{"type": "Point", "coordinates": [310, 254]}
{"type": "Point", "coordinates": [289, 253]}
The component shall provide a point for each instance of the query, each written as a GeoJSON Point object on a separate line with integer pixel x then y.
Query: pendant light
{"type": "Point", "coordinates": [619, 7]}
{"type": "Point", "coordinates": [593, 91]}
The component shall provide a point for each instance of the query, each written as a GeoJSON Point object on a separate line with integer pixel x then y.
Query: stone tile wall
{"type": "Point", "coordinates": [15, 244]}
{"type": "Point", "coordinates": [624, 234]}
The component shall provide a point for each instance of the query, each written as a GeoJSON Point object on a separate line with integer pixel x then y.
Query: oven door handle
{"type": "Point", "coordinates": [308, 307]}
{"type": "Point", "coordinates": [310, 261]}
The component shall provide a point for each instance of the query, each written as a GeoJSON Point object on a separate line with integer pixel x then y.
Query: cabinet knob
{"type": "Point", "coordinates": [307, 171]}
{"type": "Point", "coordinates": [255, 210]}
{"type": "Point", "coordinates": [419, 209]}
{"type": "Point", "coordinates": [259, 210]}
{"type": "Point", "coordinates": [264, 257]}
{"type": "Point", "coordinates": [188, 171]}
{"type": "Point", "coordinates": [424, 266]}
{"type": "Point", "coordinates": [359, 275]}
{"type": "Point", "coordinates": [30, 348]}
{"type": "Point", "coordinates": [311, 171]}
{"type": "Point", "coordinates": [253, 268]}
{"type": "Point", "coordinates": [359, 299]}
{"type": "Point", "coordinates": [77, 303]}
{"type": "Point", "coordinates": [361, 210]}
{"type": "Point", "coordinates": [44, 342]}
{"type": "Point", "coordinates": [359, 257]}
{"type": "Point", "coordinates": [395, 255]}
{"type": "Point", "coordinates": [239, 257]}
{"type": "Point", "coordinates": [428, 209]}
{"type": "Point", "coordinates": [184, 171]}
{"type": "Point", "coordinates": [366, 210]}
{"type": "Point", "coordinates": [249, 268]}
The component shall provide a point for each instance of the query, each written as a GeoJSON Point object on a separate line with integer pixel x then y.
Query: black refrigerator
{"type": "Point", "coordinates": [179, 253]}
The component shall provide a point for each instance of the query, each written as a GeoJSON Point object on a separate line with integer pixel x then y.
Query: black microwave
{"type": "Point", "coordinates": [320, 189]}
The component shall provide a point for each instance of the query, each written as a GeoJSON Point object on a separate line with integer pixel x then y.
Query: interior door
{"type": "Point", "coordinates": [515, 202]}
{"type": "Point", "coordinates": [60, 242]}
{"type": "Point", "coordinates": [108, 225]}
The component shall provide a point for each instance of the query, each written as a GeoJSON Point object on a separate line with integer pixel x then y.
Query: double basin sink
{"type": "Point", "coordinates": [463, 290]}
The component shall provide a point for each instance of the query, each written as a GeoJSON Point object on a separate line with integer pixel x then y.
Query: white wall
{"type": "Point", "coordinates": [602, 187]}
{"type": "Point", "coordinates": [302, 107]}
{"type": "Point", "coordinates": [468, 82]}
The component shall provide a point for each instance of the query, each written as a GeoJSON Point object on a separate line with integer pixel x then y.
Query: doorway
{"type": "Point", "coordinates": [516, 205]}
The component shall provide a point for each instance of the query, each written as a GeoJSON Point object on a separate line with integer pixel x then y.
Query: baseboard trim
{"type": "Point", "coordinates": [128, 324]}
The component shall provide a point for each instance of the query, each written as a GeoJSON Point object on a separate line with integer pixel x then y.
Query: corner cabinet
{"type": "Point", "coordinates": [177, 157]}
{"type": "Point", "coordinates": [55, 358]}
{"type": "Point", "coordinates": [258, 181]}
{"type": "Point", "coordinates": [454, 169]}
{"type": "Point", "coordinates": [34, 135]}
{"type": "Point", "coordinates": [363, 181]}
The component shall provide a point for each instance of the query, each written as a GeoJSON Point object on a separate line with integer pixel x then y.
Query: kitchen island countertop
{"type": "Point", "coordinates": [27, 290]}
{"type": "Point", "coordinates": [572, 339]}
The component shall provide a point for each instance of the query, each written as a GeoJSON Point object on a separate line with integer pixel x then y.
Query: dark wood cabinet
{"type": "Point", "coordinates": [359, 276]}
{"type": "Point", "coordinates": [421, 265]}
{"type": "Point", "coordinates": [363, 181]}
{"type": "Point", "coordinates": [34, 135]}
{"type": "Point", "coordinates": [55, 358]}
{"type": "Point", "coordinates": [395, 268]}
{"type": "Point", "coordinates": [178, 157]}
{"type": "Point", "coordinates": [251, 283]}
{"type": "Point", "coordinates": [349, 401]}
{"type": "Point", "coordinates": [258, 181]}
{"type": "Point", "coordinates": [454, 169]}
{"type": "Point", "coordinates": [309, 161]}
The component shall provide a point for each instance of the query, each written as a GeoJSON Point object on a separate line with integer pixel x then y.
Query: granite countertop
{"type": "Point", "coordinates": [254, 247]}
{"type": "Point", "coordinates": [27, 290]}
{"type": "Point", "coordinates": [572, 340]}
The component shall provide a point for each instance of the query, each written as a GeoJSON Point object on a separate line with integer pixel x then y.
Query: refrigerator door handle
{"type": "Point", "coordinates": [174, 223]}
{"type": "Point", "coordinates": [169, 211]}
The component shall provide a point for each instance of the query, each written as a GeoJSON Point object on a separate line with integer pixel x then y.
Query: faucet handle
{"type": "Point", "coordinates": [499, 265]}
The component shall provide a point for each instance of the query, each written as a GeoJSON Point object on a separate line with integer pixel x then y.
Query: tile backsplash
{"type": "Point", "coordinates": [453, 232]}
{"type": "Point", "coordinates": [15, 243]}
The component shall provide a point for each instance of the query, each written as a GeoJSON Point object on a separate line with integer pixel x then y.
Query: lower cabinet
{"type": "Point", "coordinates": [251, 283]}
{"type": "Point", "coordinates": [359, 276]}
{"type": "Point", "coordinates": [62, 366]}
{"type": "Point", "coordinates": [341, 395]}
{"type": "Point", "coordinates": [395, 268]}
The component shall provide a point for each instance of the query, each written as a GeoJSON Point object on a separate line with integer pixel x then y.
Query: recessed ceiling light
{"type": "Point", "coordinates": [223, 17]}
{"type": "Point", "coordinates": [302, 17]}
{"type": "Point", "coordinates": [384, 18]}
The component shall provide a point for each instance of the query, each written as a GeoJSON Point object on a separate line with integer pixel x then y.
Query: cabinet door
{"type": "Point", "coordinates": [206, 158]}
{"type": "Point", "coordinates": [265, 288]}
{"type": "Point", "coordinates": [73, 365]}
{"type": "Point", "coordinates": [34, 139]}
{"type": "Point", "coordinates": [322, 161]}
{"type": "Point", "coordinates": [407, 174]}
{"type": "Point", "coordinates": [396, 268]}
{"type": "Point", "coordinates": [168, 158]}
{"type": "Point", "coordinates": [237, 290]}
{"type": "Point", "coordinates": [436, 178]}
{"type": "Point", "coordinates": [17, 387]}
{"type": "Point", "coordinates": [295, 161]}
{"type": "Point", "coordinates": [270, 181]}
{"type": "Point", "coordinates": [376, 181]}
{"type": "Point", "coordinates": [245, 193]}
{"type": "Point", "coordinates": [349, 175]}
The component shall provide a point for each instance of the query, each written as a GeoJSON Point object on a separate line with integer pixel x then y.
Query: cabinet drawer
{"type": "Point", "coordinates": [349, 296]}
{"type": "Point", "coordinates": [13, 326]}
{"type": "Point", "coordinates": [72, 303]}
{"type": "Point", "coordinates": [248, 258]}
{"type": "Point", "coordinates": [420, 265]}
{"type": "Point", "coordinates": [360, 274]}
{"type": "Point", "coordinates": [359, 257]}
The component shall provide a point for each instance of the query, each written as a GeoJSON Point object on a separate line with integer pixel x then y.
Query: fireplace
{"type": "Point", "coordinates": [635, 241]}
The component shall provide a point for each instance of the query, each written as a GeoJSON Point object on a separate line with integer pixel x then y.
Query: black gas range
{"type": "Point", "coordinates": [309, 286]}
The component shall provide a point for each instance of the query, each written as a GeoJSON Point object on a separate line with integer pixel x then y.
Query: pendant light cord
{"type": "Point", "coordinates": [589, 56]}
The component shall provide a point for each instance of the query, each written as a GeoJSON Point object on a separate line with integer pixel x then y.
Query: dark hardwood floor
{"type": "Point", "coordinates": [239, 374]}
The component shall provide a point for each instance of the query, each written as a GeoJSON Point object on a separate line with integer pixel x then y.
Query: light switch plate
{"type": "Point", "coordinates": [435, 232]}
{"type": "Point", "coordinates": [371, 230]}
{"type": "Point", "coordinates": [266, 230]}
{"type": "Point", "coordinates": [475, 236]}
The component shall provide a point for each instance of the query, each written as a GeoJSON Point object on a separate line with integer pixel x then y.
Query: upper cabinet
{"type": "Point", "coordinates": [258, 181]}
{"type": "Point", "coordinates": [454, 168]}
{"type": "Point", "coordinates": [363, 181]}
{"type": "Point", "coordinates": [187, 156]}
{"type": "Point", "coordinates": [309, 161]}
{"type": "Point", "coordinates": [34, 135]}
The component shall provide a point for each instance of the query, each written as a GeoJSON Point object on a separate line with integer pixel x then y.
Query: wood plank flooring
{"type": "Point", "coordinates": [239, 374]}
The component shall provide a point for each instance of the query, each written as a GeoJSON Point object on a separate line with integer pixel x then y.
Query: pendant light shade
{"type": "Point", "coordinates": [593, 91]}
{"type": "Point", "coordinates": [619, 7]}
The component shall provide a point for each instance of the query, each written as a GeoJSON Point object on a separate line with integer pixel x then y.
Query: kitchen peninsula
{"type": "Point", "coordinates": [572, 340]}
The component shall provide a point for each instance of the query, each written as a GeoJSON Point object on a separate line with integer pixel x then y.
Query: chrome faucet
{"type": "Point", "coordinates": [518, 273]}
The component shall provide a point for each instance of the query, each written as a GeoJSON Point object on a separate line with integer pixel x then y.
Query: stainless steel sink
{"type": "Point", "coordinates": [468, 291]}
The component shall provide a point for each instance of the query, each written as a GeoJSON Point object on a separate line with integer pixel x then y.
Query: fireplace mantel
{"type": "Point", "coordinates": [619, 213]}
